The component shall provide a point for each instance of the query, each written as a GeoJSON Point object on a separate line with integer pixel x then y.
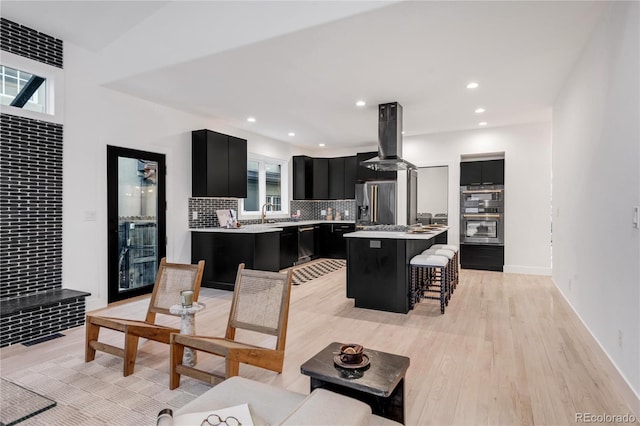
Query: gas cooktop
{"type": "Point", "coordinates": [390, 228]}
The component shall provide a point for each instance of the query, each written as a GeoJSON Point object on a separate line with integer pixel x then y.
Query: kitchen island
{"type": "Point", "coordinates": [378, 275]}
{"type": "Point", "coordinates": [266, 247]}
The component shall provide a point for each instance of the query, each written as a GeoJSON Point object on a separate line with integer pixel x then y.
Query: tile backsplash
{"type": "Point", "coordinates": [205, 209]}
{"type": "Point", "coordinates": [312, 210]}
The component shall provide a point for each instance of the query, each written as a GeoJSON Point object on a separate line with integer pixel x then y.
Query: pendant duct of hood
{"type": "Point", "coordinates": [389, 140]}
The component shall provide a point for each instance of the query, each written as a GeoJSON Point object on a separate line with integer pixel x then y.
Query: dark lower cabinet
{"type": "Point", "coordinates": [333, 245]}
{"type": "Point", "coordinates": [484, 257]}
{"type": "Point", "coordinates": [224, 251]}
{"type": "Point", "coordinates": [288, 247]}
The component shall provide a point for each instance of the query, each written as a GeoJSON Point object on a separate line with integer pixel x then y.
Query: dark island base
{"type": "Point", "coordinates": [378, 275]}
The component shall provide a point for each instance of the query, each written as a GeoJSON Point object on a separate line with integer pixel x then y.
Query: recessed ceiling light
{"type": "Point", "coordinates": [472, 85]}
{"type": "Point", "coordinates": [403, 132]}
{"type": "Point", "coordinates": [361, 103]}
{"type": "Point", "coordinates": [291, 134]}
{"type": "Point", "coordinates": [479, 110]}
{"type": "Point", "coordinates": [251, 120]}
{"type": "Point", "coordinates": [320, 144]}
{"type": "Point", "coordinates": [482, 123]}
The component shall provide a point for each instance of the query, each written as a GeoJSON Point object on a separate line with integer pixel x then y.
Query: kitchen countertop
{"type": "Point", "coordinates": [268, 227]}
{"type": "Point", "coordinates": [395, 235]}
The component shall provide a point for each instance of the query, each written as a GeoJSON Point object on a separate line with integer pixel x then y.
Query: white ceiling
{"type": "Point", "coordinates": [301, 66]}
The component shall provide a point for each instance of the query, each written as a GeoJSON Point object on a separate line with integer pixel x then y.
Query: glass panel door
{"type": "Point", "coordinates": [136, 200]}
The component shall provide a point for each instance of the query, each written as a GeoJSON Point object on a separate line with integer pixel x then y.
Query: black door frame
{"type": "Point", "coordinates": [113, 152]}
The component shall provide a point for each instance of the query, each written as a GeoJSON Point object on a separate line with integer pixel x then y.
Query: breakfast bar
{"type": "Point", "coordinates": [378, 266]}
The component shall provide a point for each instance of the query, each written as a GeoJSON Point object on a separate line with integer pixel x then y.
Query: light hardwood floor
{"type": "Point", "coordinates": [508, 350]}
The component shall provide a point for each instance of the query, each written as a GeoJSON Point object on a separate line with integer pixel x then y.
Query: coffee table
{"type": "Point", "coordinates": [380, 384]}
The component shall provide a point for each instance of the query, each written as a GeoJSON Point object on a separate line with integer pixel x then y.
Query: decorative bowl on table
{"type": "Point", "coordinates": [351, 356]}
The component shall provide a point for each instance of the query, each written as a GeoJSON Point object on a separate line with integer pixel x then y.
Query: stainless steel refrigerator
{"type": "Point", "coordinates": [376, 203]}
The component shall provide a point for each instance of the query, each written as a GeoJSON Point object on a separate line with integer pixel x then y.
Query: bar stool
{"type": "Point", "coordinates": [429, 273]}
{"type": "Point", "coordinates": [456, 261]}
{"type": "Point", "coordinates": [451, 266]}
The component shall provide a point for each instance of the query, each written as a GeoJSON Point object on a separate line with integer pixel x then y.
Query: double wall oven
{"type": "Point", "coordinates": [482, 214]}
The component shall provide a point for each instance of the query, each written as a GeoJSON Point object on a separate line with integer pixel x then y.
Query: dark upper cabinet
{"type": "Point", "coordinates": [365, 173]}
{"type": "Point", "coordinates": [493, 172]}
{"type": "Point", "coordinates": [302, 177]}
{"type": "Point", "coordinates": [350, 169]}
{"type": "Point", "coordinates": [219, 165]}
{"type": "Point", "coordinates": [471, 173]}
{"type": "Point", "coordinates": [336, 178]}
{"type": "Point", "coordinates": [324, 178]}
{"type": "Point", "coordinates": [320, 179]}
{"type": "Point", "coordinates": [237, 167]}
{"type": "Point", "coordinates": [489, 172]}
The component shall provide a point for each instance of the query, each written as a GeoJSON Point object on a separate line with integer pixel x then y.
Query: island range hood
{"type": "Point", "coordinates": [389, 140]}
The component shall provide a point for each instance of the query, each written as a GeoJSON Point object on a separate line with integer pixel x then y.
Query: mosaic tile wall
{"type": "Point", "coordinates": [31, 207]}
{"type": "Point", "coordinates": [24, 41]}
{"type": "Point", "coordinates": [309, 210]}
{"type": "Point", "coordinates": [312, 210]}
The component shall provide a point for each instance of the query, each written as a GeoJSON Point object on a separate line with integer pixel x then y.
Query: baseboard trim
{"type": "Point", "coordinates": [529, 270]}
{"type": "Point", "coordinates": [622, 384]}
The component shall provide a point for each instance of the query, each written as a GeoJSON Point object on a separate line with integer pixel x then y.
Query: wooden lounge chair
{"type": "Point", "coordinates": [260, 304]}
{"type": "Point", "coordinates": [172, 278]}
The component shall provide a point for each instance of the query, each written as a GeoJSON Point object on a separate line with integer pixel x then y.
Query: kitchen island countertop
{"type": "Point", "coordinates": [396, 235]}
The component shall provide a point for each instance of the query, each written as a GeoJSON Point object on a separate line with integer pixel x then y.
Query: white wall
{"type": "Point", "coordinates": [96, 117]}
{"type": "Point", "coordinates": [527, 152]}
{"type": "Point", "coordinates": [433, 190]}
{"type": "Point", "coordinates": [596, 182]}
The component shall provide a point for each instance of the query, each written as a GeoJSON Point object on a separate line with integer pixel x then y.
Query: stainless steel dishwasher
{"type": "Point", "coordinates": [306, 243]}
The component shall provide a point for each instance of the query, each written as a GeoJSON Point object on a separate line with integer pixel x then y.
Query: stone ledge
{"type": "Point", "coordinates": [43, 299]}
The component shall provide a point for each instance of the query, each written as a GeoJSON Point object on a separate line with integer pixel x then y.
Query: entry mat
{"type": "Point", "coordinates": [315, 270]}
{"type": "Point", "coordinates": [19, 403]}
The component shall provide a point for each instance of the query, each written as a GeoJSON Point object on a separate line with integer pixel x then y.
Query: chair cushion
{"type": "Point", "coordinates": [429, 260]}
{"type": "Point", "coordinates": [441, 252]}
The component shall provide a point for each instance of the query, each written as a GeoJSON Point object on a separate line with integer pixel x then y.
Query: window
{"type": "Point", "coordinates": [22, 89]}
{"type": "Point", "coordinates": [31, 89]}
{"type": "Point", "coordinates": [264, 186]}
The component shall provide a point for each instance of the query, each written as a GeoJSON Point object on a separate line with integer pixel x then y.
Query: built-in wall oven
{"type": "Point", "coordinates": [482, 214]}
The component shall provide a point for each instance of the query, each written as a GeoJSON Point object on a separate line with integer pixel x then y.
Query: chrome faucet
{"type": "Point", "coordinates": [264, 210]}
